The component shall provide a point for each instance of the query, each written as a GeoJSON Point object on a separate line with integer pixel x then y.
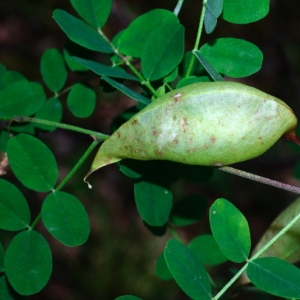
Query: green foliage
{"type": "Point", "coordinates": [28, 154]}
{"type": "Point", "coordinates": [230, 229]}
{"type": "Point", "coordinates": [14, 215]}
{"type": "Point", "coordinates": [188, 270]}
{"type": "Point", "coordinates": [28, 262]}
{"type": "Point", "coordinates": [81, 101]}
{"type": "Point", "coordinates": [177, 138]}
{"type": "Point", "coordinates": [275, 276]}
{"type": "Point", "coordinates": [153, 202]}
{"type": "Point", "coordinates": [21, 98]}
{"type": "Point", "coordinates": [52, 62]}
{"type": "Point", "coordinates": [65, 218]}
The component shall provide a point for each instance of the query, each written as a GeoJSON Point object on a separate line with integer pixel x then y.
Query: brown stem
{"type": "Point", "coordinates": [261, 179]}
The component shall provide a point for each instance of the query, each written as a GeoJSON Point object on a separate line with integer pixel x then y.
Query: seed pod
{"type": "Point", "coordinates": [210, 124]}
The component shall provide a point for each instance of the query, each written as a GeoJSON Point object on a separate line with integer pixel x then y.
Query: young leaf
{"type": "Point", "coordinates": [133, 39]}
{"type": "Point", "coordinates": [210, 22]}
{"type": "Point", "coordinates": [14, 210]}
{"type": "Point", "coordinates": [28, 262]}
{"type": "Point", "coordinates": [246, 11]}
{"type": "Point", "coordinates": [188, 271]}
{"type": "Point", "coordinates": [21, 99]}
{"type": "Point", "coordinates": [233, 57]}
{"type": "Point", "coordinates": [32, 162]}
{"type": "Point", "coordinates": [53, 70]}
{"type": "Point", "coordinates": [161, 269]}
{"type": "Point", "coordinates": [207, 250]}
{"type": "Point", "coordinates": [81, 33]}
{"type": "Point", "coordinates": [163, 51]}
{"type": "Point", "coordinates": [208, 67]}
{"type": "Point", "coordinates": [193, 125]}
{"type": "Point", "coordinates": [104, 70]}
{"type": "Point", "coordinates": [188, 211]}
{"type": "Point", "coordinates": [287, 247]}
{"type": "Point", "coordinates": [11, 77]}
{"type": "Point", "coordinates": [275, 276]}
{"type": "Point", "coordinates": [81, 100]}
{"type": "Point", "coordinates": [215, 7]}
{"type": "Point", "coordinates": [153, 202]}
{"type": "Point", "coordinates": [130, 93]}
{"type": "Point", "coordinates": [94, 12]}
{"type": "Point", "coordinates": [66, 219]}
{"type": "Point", "coordinates": [51, 111]}
{"type": "Point", "coordinates": [230, 230]}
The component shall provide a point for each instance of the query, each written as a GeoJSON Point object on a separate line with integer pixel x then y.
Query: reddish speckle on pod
{"type": "Point", "coordinates": [226, 122]}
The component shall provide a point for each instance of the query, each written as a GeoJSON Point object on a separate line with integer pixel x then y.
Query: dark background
{"type": "Point", "coordinates": [119, 257]}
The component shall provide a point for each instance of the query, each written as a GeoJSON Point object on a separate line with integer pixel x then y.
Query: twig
{"type": "Point", "coordinates": [261, 179]}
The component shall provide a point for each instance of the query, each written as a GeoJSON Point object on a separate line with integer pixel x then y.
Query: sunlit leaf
{"type": "Point", "coordinates": [230, 230]}
{"type": "Point", "coordinates": [163, 51]}
{"type": "Point", "coordinates": [246, 11]}
{"type": "Point", "coordinates": [133, 39]}
{"type": "Point", "coordinates": [94, 12]}
{"type": "Point", "coordinates": [233, 57]}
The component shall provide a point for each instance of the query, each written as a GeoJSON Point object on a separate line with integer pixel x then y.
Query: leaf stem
{"type": "Point", "coordinates": [178, 7]}
{"type": "Point", "coordinates": [276, 237]}
{"type": "Point", "coordinates": [127, 62]}
{"type": "Point", "coordinates": [78, 165]}
{"type": "Point", "coordinates": [230, 282]}
{"type": "Point", "coordinates": [175, 234]}
{"type": "Point", "coordinates": [197, 42]}
{"type": "Point", "coordinates": [261, 179]}
{"type": "Point", "coordinates": [96, 135]}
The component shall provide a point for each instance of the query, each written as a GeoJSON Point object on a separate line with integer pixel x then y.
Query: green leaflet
{"type": "Point", "coordinates": [211, 124]}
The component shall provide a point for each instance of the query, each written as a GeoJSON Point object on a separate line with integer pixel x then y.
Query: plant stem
{"type": "Point", "coordinates": [127, 62]}
{"type": "Point", "coordinates": [78, 165]}
{"type": "Point", "coordinates": [230, 282]}
{"type": "Point", "coordinates": [96, 135]}
{"type": "Point", "coordinates": [261, 179]}
{"type": "Point", "coordinates": [197, 42]}
{"type": "Point", "coordinates": [178, 7]}
{"type": "Point", "coordinates": [175, 234]}
{"type": "Point", "coordinates": [68, 177]}
{"type": "Point", "coordinates": [276, 237]}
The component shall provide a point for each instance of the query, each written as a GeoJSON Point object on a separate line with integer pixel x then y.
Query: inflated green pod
{"type": "Point", "coordinates": [210, 124]}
